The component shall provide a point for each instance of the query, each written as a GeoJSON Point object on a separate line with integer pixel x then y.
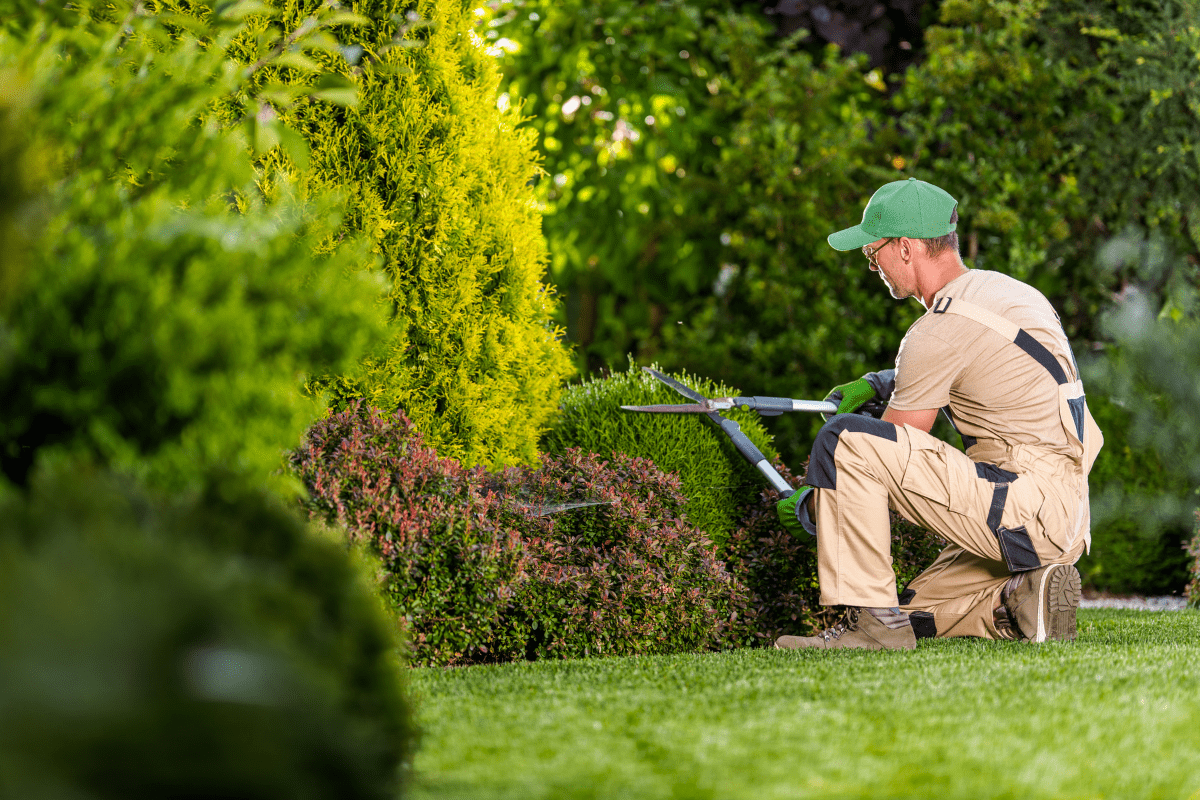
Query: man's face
{"type": "Point", "coordinates": [883, 258]}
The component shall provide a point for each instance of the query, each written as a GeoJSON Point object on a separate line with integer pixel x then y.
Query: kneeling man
{"type": "Point", "coordinates": [990, 353]}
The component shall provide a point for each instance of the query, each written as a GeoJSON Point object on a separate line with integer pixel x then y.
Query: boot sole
{"type": "Point", "coordinates": [1059, 593]}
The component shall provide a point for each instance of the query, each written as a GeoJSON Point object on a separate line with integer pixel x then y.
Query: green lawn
{"type": "Point", "coordinates": [1115, 714]}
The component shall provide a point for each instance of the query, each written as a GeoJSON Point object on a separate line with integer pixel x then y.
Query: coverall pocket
{"type": "Point", "coordinates": [938, 473]}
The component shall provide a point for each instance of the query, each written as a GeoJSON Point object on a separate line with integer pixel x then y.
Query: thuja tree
{"type": "Point", "coordinates": [159, 315]}
{"type": "Point", "coordinates": [436, 177]}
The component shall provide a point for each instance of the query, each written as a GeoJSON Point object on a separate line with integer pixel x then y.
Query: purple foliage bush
{"type": "Point", "coordinates": [629, 575]}
{"type": "Point", "coordinates": [448, 569]}
{"type": "Point", "coordinates": [478, 571]}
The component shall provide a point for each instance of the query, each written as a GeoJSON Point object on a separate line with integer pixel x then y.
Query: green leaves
{"type": "Point", "coordinates": [168, 313]}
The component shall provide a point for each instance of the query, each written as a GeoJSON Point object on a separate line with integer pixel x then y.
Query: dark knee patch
{"type": "Point", "coordinates": [907, 596]}
{"type": "Point", "coordinates": [923, 624]}
{"type": "Point", "coordinates": [821, 470]}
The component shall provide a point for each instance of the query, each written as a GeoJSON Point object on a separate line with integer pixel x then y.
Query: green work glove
{"type": "Point", "coordinates": [851, 396]}
{"type": "Point", "coordinates": [868, 395]}
{"type": "Point", "coordinates": [794, 513]}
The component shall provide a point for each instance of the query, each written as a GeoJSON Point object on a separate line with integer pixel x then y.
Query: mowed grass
{"type": "Point", "coordinates": [1115, 714]}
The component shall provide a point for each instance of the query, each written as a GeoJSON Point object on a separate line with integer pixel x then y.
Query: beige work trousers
{"type": "Point", "coordinates": [863, 466]}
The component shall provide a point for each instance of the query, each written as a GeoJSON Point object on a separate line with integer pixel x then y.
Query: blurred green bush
{"type": "Point", "coordinates": [1149, 366]}
{"type": "Point", "coordinates": [436, 178]}
{"type": "Point", "coordinates": [212, 647]}
{"type": "Point", "coordinates": [161, 315]}
{"type": "Point", "coordinates": [717, 481]}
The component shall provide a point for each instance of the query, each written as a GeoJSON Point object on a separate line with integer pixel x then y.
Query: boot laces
{"type": "Point", "coordinates": [847, 623]}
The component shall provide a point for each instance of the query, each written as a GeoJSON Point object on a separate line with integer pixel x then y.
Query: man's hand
{"type": "Point", "coordinates": [853, 396]}
{"type": "Point", "coordinates": [794, 513]}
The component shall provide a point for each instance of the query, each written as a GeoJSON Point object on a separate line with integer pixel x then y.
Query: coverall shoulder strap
{"type": "Point", "coordinates": [1009, 330]}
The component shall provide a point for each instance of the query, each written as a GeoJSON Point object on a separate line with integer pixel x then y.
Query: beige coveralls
{"type": "Point", "coordinates": [992, 354]}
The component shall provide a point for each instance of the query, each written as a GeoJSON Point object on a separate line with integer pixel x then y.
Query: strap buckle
{"type": "Point", "coordinates": [942, 305]}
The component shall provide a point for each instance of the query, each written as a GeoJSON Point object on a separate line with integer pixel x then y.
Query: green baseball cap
{"type": "Point", "coordinates": [910, 208]}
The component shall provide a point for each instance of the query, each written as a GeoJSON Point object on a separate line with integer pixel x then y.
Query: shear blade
{"type": "Point", "coordinates": [677, 386]}
{"type": "Point", "coordinates": [684, 409]}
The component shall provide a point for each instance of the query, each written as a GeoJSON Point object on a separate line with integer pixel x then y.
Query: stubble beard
{"type": "Point", "coordinates": [892, 289]}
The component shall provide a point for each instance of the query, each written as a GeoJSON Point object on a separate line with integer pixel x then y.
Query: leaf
{"type": "Point", "coordinates": [344, 18]}
{"type": "Point", "coordinates": [241, 9]}
{"type": "Point", "coordinates": [298, 61]}
{"type": "Point", "coordinates": [336, 89]}
{"type": "Point", "coordinates": [295, 145]}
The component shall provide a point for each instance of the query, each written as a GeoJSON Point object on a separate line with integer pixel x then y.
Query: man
{"type": "Point", "coordinates": [991, 353]}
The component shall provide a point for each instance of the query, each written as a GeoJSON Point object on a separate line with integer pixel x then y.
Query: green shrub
{"type": "Point", "coordinates": [1133, 549]}
{"type": "Point", "coordinates": [205, 648]}
{"type": "Point", "coordinates": [448, 568]}
{"type": "Point", "coordinates": [151, 325]}
{"type": "Point", "coordinates": [717, 481]}
{"type": "Point", "coordinates": [1148, 369]}
{"type": "Point", "coordinates": [480, 568]}
{"type": "Point", "coordinates": [1193, 588]}
{"type": "Point", "coordinates": [435, 177]}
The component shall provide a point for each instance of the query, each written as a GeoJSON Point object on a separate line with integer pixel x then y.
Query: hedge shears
{"type": "Point", "coordinates": [712, 408]}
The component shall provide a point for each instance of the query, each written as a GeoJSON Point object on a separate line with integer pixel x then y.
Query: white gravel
{"type": "Point", "coordinates": [1139, 603]}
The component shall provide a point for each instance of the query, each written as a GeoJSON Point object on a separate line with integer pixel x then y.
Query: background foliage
{"type": "Point", "coordinates": [1056, 125]}
{"type": "Point", "coordinates": [162, 315]}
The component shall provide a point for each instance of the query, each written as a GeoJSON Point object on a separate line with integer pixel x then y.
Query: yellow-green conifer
{"type": "Point", "coordinates": [438, 176]}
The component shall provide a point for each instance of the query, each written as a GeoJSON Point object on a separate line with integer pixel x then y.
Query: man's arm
{"type": "Point", "coordinates": [921, 420]}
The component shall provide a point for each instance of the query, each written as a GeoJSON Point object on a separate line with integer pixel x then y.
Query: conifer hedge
{"type": "Point", "coordinates": [436, 177]}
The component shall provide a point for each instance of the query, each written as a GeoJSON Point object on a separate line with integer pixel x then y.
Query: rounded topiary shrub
{"type": "Point", "coordinates": [574, 557]}
{"type": "Point", "coordinates": [210, 648]}
{"type": "Point", "coordinates": [716, 480]}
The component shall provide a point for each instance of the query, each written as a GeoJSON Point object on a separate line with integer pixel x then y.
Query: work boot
{"type": "Point", "coordinates": [860, 629]}
{"type": "Point", "coordinates": [1041, 603]}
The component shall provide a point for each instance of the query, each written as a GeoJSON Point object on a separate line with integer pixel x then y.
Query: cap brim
{"type": "Point", "coordinates": [851, 239]}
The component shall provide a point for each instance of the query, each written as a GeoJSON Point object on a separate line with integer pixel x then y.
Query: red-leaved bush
{"type": "Point", "coordinates": [625, 576]}
{"type": "Point", "coordinates": [493, 567]}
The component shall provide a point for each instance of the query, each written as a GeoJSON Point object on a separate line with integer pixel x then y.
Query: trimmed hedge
{"type": "Point", "coordinates": [716, 479]}
{"type": "Point", "coordinates": [213, 647]}
{"type": "Point", "coordinates": [631, 573]}
{"type": "Point", "coordinates": [477, 573]}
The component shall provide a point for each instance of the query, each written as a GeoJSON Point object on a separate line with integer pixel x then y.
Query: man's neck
{"type": "Point", "coordinates": [937, 274]}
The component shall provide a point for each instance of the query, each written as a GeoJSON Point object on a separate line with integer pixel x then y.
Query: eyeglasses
{"type": "Point", "coordinates": [870, 254]}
